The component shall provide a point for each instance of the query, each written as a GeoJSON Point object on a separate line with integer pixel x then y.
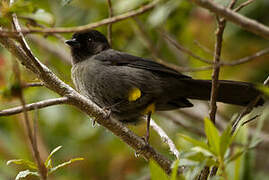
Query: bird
{"type": "Point", "coordinates": [132, 87]}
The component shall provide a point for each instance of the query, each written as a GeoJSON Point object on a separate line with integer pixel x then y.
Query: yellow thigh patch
{"type": "Point", "coordinates": [149, 108]}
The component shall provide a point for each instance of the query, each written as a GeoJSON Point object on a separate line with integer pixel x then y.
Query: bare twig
{"type": "Point", "coordinates": [109, 26]}
{"type": "Point", "coordinates": [33, 106]}
{"type": "Point", "coordinates": [216, 69]}
{"type": "Point", "coordinates": [54, 49]}
{"type": "Point", "coordinates": [244, 22]}
{"type": "Point", "coordinates": [244, 4]}
{"type": "Point", "coordinates": [114, 19]}
{"type": "Point", "coordinates": [182, 48]}
{"type": "Point", "coordinates": [204, 48]}
{"type": "Point", "coordinates": [33, 84]}
{"type": "Point", "coordinates": [149, 44]}
{"type": "Point", "coordinates": [165, 138]}
{"type": "Point", "coordinates": [41, 167]}
{"type": "Point", "coordinates": [246, 59]}
{"type": "Point", "coordinates": [249, 120]}
{"type": "Point", "coordinates": [248, 108]}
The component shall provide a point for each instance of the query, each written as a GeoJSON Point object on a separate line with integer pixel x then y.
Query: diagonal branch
{"type": "Point", "coordinates": [86, 105]}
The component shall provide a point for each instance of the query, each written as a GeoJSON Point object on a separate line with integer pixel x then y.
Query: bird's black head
{"type": "Point", "coordinates": [85, 44]}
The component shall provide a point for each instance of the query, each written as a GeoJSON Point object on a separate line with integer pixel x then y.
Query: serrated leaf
{"type": "Point", "coordinates": [157, 172]}
{"type": "Point", "coordinates": [225, 141]}
{"type": "Point", "coordinates": [23, 174]}
{"type": "Point", "coordinates": [212, 135]}
{"type": "Point", "coordinates": [174, 171]}
{"type": "Point", "coordinates": [195, 142]}
{"type": "Point", "coordinates": [64, 164]}
{"type": "Point", "coordinates": [25, 162]}
{"type": "Point", "coordinates": [47, 162]}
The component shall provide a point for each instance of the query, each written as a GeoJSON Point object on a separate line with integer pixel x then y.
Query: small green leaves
{"type": "Point", "coordinates": [48, 164]}
{"type": "Point", "coordinates": [48, 160]}
{"type": "Point", "coordinates": [225, 141]}
{"type": "Point", "coordinates": [174, 171]}
{"type": "Point", "coordinates": [212, 135]}
{"type": "Point", "coordinates": [27, 163]}
{"type": "Point", "coordinates": [51, 170]}
{"type": "Point", "coordinates": [157, 172]}
{"type": "Point", "coordinates": [26, 173]}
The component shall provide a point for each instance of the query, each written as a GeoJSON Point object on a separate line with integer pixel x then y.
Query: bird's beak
{"type": "Point", "coordinates": [73, 43]}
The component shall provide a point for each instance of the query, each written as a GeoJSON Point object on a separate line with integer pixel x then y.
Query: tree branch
{"type": "Point", "coordinates": [244, 22]}
{"type": "Point", "coordinates": [165, 138]}
{"type": "Point", "coordinates": [114, 19]}
{"type": "Point", "coordinates": [33, 106]}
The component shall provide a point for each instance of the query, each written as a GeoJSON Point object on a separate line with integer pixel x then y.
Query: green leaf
{"type": "Point", "coordinates": [48, 161]}
{"type": "Point", "coordinates": [28, 163]}
{"type": "Point", "coordinates": [195, 142]}
{"type": "Point", "coordinates": [236, 155]}
{"type": "Point", "coordinates": [225, 140]}
{"type": "Point", "coordinates": [26, 173]}
{"type": "Point", "coordinates": [174, 171]}
{"type": "Point", "coordinates": [157, 172]}
{"type": "Point", "coordinates": [212, 135]}
{"type": "Point", "coordinates": [64, 164]}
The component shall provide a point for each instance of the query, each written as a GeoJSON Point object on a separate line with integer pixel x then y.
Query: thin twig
{"type": "Point", "coordinates": [165, 138]}
{"type": "Point", "coordinates": [249, 120]}
{"type": "Point", "coordinates": [53, 48]}
{"type": "Point", "coordinates": [216, 69]}
{"type": "Point", "coordinates": [41, 167]}
{"type": "Point", "coordinates": [248, 108]}
{"type": "Point", "coordinates": [244, 4]}
{"type": "Point", "coordinates": [106, 21]}
{"type": "Point", "coordinates": [109, 26]}
{"type": "Point", "coordinates": [244, 22]}
{"type": "Point", "coordinates": [33, 84]}
{"type": "Point", "coordinates": [33, 106]}
{"type": "Point", "coordinates": [182, 48]}
{"type": "Point", "coordinates": [246, 59]}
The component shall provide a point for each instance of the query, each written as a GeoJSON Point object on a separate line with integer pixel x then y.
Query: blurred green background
{"type": "Point", "coordinates": [106, 156]}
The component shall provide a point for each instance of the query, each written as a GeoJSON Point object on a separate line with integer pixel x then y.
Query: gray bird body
{"type": "Point", "coordinates": [109, 86]}
{"type": "Point", "coordinates": [107, 77]}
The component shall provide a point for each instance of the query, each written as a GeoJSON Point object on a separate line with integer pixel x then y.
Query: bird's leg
{"type": "Point", "coordinates": [148, 128]}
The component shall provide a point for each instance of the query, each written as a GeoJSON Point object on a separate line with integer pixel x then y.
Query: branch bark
{"type": "Point", "coordinates": [244, 22]}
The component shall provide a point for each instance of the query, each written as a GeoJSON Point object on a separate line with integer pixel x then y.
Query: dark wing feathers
{"type": "Point", "coordinates": [118, 58]}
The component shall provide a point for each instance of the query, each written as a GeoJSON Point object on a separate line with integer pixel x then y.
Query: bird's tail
{"type": "Point", "coordinates": [231, 92]}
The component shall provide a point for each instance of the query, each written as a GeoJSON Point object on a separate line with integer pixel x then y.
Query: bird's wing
{"type": "Point", "coordinates": [118, 58]}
